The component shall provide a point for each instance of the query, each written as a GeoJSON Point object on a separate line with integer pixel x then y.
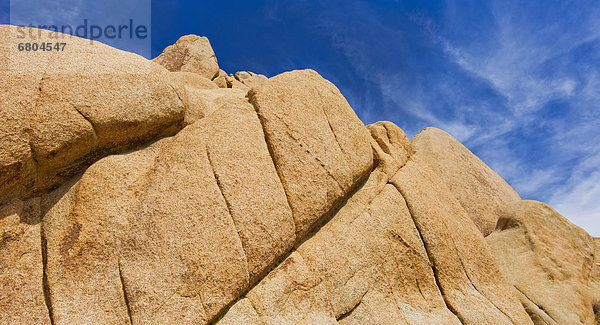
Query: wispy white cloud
{"type": "Point", "coordinates": [579, 196]}
{"type": "Point", "coordinates": [526, 57]}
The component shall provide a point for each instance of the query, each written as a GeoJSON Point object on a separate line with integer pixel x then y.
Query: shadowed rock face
{"type": "Point", "coordinates": [271, 204]}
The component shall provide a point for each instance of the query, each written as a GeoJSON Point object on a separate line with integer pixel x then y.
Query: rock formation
{"type": "Point", "coordinates": [190, 53]}
{"type": "Point", "coordinates": [170, 192]}
{"type": "Point", "coordinates": [549, 261]}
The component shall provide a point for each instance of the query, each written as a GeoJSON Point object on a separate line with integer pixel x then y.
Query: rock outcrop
{"type": "Point", "coordinates": [134, 193]}
{"type": "Point", "coordinates": [250, 79]}
{"type": "Point", "coordinates": [549, 261]}
{"type": "Point", "coordinates": [481, 192]}
{"type": "Point", "coordinates": [190, 53]}
{"type": "Point", "coordinates": [60, 112]}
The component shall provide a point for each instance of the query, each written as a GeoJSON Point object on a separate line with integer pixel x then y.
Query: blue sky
{"type": "Point", "coordinates": [518, 82]}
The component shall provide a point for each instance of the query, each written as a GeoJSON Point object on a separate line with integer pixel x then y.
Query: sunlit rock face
{"type": "Point", "coordinates": [170, 192]}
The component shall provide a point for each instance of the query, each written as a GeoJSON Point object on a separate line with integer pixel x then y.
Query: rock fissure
{"type": "Point", "coordinates": [78, 110]}
{"type": "Point", "coordinates": [349, 312]}
{"type": "Point", "coordinates": [321, 163]}
{"type": "Point", "coordinates": [178, 94]}
{"type": "Point", "coordinates": [124, 290]}
{"type": "Point", "coordinates": [462, 263]}
{"type": "Point", "coordinates": [325, 220]}
{"type": "Point", "coordinates": [276, 165]}
{"type": "Point", "coordinates": [342, 245]}
{"type": "Point", "coordinates": [228, 205]}
{"type": "Point", "coordinates": [540, 308]}
{"type": "Point", "coordinates": [429, 257]}
{"type": "Point", "coordinates": [45, 283]}
{"type": "Point", "coordinates": [333, 132]}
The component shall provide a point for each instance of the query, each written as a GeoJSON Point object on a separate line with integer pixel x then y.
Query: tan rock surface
{"type": "Point", "coordinates": [191, 53]}
{"type": "Point", "coordinates": [390, 146]}
{"type": "Point", "coordinates": [128, 239]}
{"type": "Point", "coordinates": [367, 265]}
{"type": "Point", "coordinates": [320, 147]}
{"type": "Point", "coordinates": [221, 79]}
{"type": "Point", "coordinates": [202, 102]}
{"type": "Point", "coordinates": [481, 192]}
{"type": "Point", "coordinates": [549, 260]}
{"type": "Point", "coordinates": [234, 83]}
{"type": "Point", "coordinates": [271, 204]}
{"type": "Point", "coordinates": [127, 244]}
{"type": "Point", "coordinates": [201, 96]}
{"type": "Point", "coordinates": [595, 277]}
{"type": "Point", "coordinates": [62, 111]}
{"type": "Point", "coordinates": [250, 79]}
{"type": "Point", "coordinates": [464, 266]}
{"type": "Point", "coordinates": [21, 265]}
{"type": "Point", "coordinates": [182, 79]}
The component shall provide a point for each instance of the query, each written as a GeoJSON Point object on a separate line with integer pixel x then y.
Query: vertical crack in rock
{"type": "Point", "coordinates": [178, 95]}
{"type": "Point", "coordinates": [290, 134]}
{"type": "Point", "coordinates": [325, 219]}
{"type": "Point", "coordinates": [540, 308]}
{"type": "Point", "coordinates": [333, 132]}
{"type": "Point", "coordinates": [322, 164]}
{"type": "Point", "coordinates": [475, 287]}
{"type": "Point", "coordinates": [28, 132]}
{"type": "Point", "coordinates": [435, 271]}
{"type": "Point", "coordinates": [277, 168]}
{"type": "Point", "coordinates": [228, 205]}
{"type": "Point", "coordinates": [124, 290]}
{"type": "Point", "coordinates": [419, 287]}
{"type": "Point", "coordinates": [33, 155]}
{"type": "Point", "coordinates": [45, 284]}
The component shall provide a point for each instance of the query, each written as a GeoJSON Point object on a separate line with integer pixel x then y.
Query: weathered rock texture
{"type": "Point", "coordinates": [481, 192]}
{"type": "Point", "coordinates": [320, 147]}
{"type": "Point", "coordinates": [62, 111]}
{"type": "Point", "coordinates": [270, 203]}
{"type": "Point", "coordinates": [548, 260]}
{"type": "Point", "coordinates": [250, 79]}
{"type": "Point", "coordinates": [595, 279]}
{"type": "Point", "coordinates": [21, 265]}
{"type": "Point", "coordinates": [190, 53]}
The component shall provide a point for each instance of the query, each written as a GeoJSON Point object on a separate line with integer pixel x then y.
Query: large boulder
{"type": "Point", "coordinates": [175, 232]}
{"type": "Point", "coordinates": [400, 250]}
{"type": "Point", "coordinates": [548, 260]}
{"type": "Point", "coordinates": [481, 192]}
{"type": "Point", "coordinates": [201, 96]}
{"type": "Point", "coordinates": [269, 203]}
{"type": "Point", "coordinates": [63, 110]}
{"type": "Point", "coordinates": [391, 147]}
{"type": "Point", "coordinates": [464, 266]}
{"type": "Point", "coordinates": [320, 147]}
{"type": "Point", "coordinates": [191, 53]}
{"type": "Point", "coordinates": [170, 233]}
